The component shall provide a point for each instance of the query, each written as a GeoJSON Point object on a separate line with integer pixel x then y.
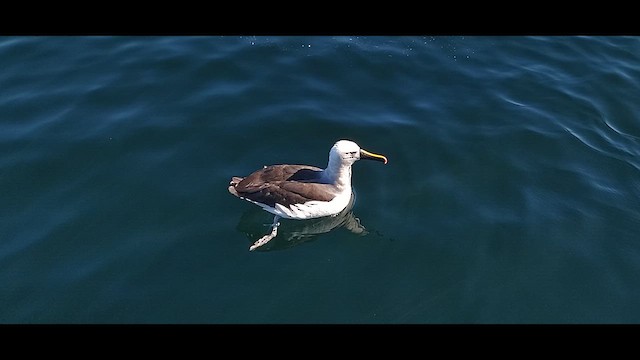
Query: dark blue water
{"type": "Point", "coordinates": [511, 194]}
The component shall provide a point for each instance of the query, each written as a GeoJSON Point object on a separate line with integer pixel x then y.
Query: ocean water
{"type": "Point", "coordinates": [512, 193]}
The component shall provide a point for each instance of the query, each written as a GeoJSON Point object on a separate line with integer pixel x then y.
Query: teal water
{"type": "Point", "coordinates": [511, 194]}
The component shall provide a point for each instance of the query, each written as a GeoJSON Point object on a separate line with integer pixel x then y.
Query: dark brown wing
{"type": "Point", "coordinates": [283, 184]}
{"type": "Point", "coordinates": [232, 185]}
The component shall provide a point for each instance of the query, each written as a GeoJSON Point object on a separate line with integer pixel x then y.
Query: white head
{"type": "Point", "coordinates": [345, 153]}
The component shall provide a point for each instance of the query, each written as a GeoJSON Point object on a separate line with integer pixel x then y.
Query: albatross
{"type": "Point", "coordinates": [301, 191]}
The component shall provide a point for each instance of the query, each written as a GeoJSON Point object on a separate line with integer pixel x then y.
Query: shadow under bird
{"type": "Point", "coordinates": [303, 192]}
{"type": "Point", "coordinates": [294, 233]}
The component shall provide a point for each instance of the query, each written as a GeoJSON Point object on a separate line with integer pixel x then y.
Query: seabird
{"type": "Point", "coordinates": [301, 191]}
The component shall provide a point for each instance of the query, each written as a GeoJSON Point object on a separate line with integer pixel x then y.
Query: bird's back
{"type": "Point", "coordinates": [283, 184]}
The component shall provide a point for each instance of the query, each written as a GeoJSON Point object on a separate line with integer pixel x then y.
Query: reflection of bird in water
{"type": "Point", "coordinates": [303, 192]}
{"type": "Point", "coordinates": [293, 233]}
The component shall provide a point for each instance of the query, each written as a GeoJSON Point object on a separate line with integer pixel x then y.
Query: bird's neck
{"type": "Point", "coordinates": [338, 174]}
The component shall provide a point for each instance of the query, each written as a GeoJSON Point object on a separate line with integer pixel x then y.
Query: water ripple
{"type": "Point", "coordinates": [512, 181]}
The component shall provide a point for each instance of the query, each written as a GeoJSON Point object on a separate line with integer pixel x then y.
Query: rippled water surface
{"type": "Point", "coordinates": [512, 193]}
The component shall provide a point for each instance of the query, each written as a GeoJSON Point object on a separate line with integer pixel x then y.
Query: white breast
{"type": "Point", "coordinates": [312, 209]}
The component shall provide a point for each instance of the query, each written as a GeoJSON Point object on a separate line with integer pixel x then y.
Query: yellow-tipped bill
{"type": "Point", "coordinates": [364, 154]}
